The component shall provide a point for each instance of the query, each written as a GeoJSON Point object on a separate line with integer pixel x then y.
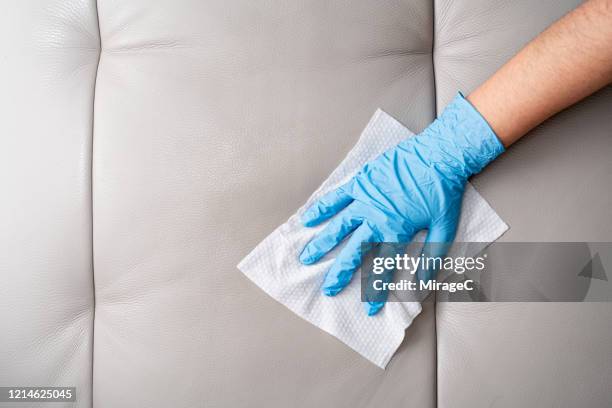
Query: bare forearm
{"type": "Point", "coordinates": [567, 62]}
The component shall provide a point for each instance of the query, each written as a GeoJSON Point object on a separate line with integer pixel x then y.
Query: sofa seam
{"type": "Point", "coordinates": [435, 109]}
{"type": "Point", "coordinates": [91, 192]}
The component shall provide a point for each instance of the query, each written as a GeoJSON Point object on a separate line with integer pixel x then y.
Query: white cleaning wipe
{"type": "Point", "coordinates": [274, 265]}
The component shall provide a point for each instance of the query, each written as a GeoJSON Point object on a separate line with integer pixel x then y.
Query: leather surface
{"type": "Point", "coordinates": [214, 121]}
{"type": "Point", "coordinates": [553, 185]}
{"type": "Point", "coordinates": [524, 355]}
{"type": "Point", "coordinates": [47, 73]}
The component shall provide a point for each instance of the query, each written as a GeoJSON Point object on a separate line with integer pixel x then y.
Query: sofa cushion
{"type": "Point", "coordinates": [47, 76]}
{"type": "Point", "coordinates": [214, 121]}
{"type": "Point", "coordinates": [553, 185]}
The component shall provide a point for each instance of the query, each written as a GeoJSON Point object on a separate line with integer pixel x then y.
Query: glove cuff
{"type": "Point", "coordinates": [469, 134]}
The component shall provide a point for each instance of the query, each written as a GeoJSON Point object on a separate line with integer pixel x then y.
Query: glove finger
{"type": "Point", "coordinates": [327, 206]}
{"type": "Point", "coordinates": [337, 229]}
{"type": "Point", "coordinates": [437, 244]}
{"type": "Point", "coordinates": [348, 261]}
{"type": "Point", "coordinates": [375, 299]}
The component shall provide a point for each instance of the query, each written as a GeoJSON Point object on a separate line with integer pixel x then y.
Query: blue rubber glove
{"type": "Point", "coordinates": [416, 185]}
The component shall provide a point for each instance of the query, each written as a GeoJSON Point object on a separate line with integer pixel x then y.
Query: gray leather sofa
{"type": "Point", "coordinates": [147, 146]}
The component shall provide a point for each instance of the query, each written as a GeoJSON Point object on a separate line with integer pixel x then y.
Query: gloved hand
{"type": "Point", "coordinates": [416, 185]}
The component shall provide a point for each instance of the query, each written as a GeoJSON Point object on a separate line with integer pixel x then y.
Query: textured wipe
{"type": "Point", "coordinates": [274, 265]}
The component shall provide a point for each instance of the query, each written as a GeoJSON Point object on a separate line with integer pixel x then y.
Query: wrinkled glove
{"type": "Point", "coordinates": [416, 185]}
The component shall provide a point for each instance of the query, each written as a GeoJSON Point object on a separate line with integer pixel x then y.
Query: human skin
{"type": "Point", "coordinates": [567, 62]}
